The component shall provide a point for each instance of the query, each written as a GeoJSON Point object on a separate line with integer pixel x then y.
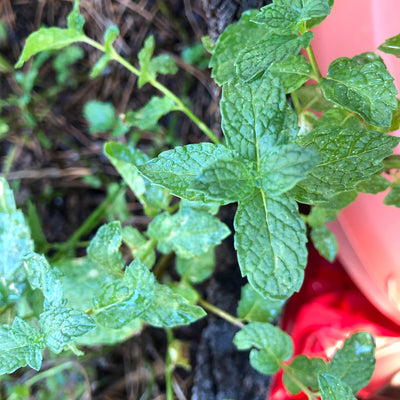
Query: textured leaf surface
{"type": "Point", "coordinates": [347, 157]}
{"type": "Point", "coordinates": [104, 247]}
{"type": "Point", "coordinates": [170, 309]}
{"type": "Point", "coordinates": [270, 241]}
{"type": "Point", "coordinates": [305, 370]}
{"type": "Point", "coordinates": [256, 116]}
{"type": "Point", "coordinates": [20, 345]}
{"type": "Point", "coordinates": [282, 167]}
{"type": "Point", "coordinates": [198, 268]}
{"type": "Point", "coordinates": [332, 388]}
{"type": "Point", "coordinates": [269, 345]}
{"type": "Point", "coordinates": [140, 247]}
{"type": "Point", "coordinates": [258, 58]}
{"type": "Point", "coordinates": [125, 299]}
{"type": "Point", "coordinates": [393, 197]}
{"type": "Point", "coordinates": [188, 232]}
{"type": "Point", "coordinates": [254, 307]}
{"type": "Point", "coordinates": [375, 184]}
{"type": "Point", "coordinates": [325, 242]}
{"type": "Point", "coordinates": [354, 363]}
{"type": "Point", "coordinates": [177, 169]}
{"type": "Point", "coordinates": [62, 325]}
{"type": "Point", "coordinates": [292, 72]}
{"type": "Point", "coordinates": [366, 89]}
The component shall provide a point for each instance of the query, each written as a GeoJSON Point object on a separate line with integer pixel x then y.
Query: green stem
{"type": "Point", "coordinates": [221, 313]}
{"type": "Point", "coordinates": [179, 103]}
{"type": "Point", "coordinates": [296, 103]}
{"type": "Point", "coordinates": [169, 369]}
{"type": "Point", "coordinates": [314, 63]}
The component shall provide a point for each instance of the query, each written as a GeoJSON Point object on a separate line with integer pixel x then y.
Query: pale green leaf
{"type": "Point", "coordinates": [282, 167]}
{"type": "Point", "coordinates": [197, 268]}
{"type": "Point", "coordinates": [393, 197]}
{"type": "Point", "coordinates": [100, 116]}
{"type": "Point", "coordinates": [256, 59]}
{"type": "Point", "coordinates": [75, 20]}
{"type": "Point", "coordinates": [100, 66]}
{"type": "Point", "coordinates": [177, 169]}
{"type": "Point", "coordinates": [7, 202]}
{"type": "Point", "coordinates": [375, 184]}
{"type": "Point", "coordinates": [269, 344]}
{"type": "Point", "coordinates": [20, 345]}
{"type": "Point", "coordinates": [354, 363]}
{"type": "Point", "coordinates": [366, 89]}
{"type": "Point", "coordinates": [169, 309]}
{"type": "Point", "coordinates": [110, 35]}
{"type": "Point", "coordinates": [163, 64]}
{"type": "Point", "coordinates": [305, 370]}
{"type": "Point", "coordinates": [188, 232]}
{"type": "Point", "coordinates": [123, 300]}
{"type": "Point", "coordinates": [325, 242]}
{"type": "Point", "coordinates": [256, 116]}
{"type": "Point", "coordinates": [225, 181]}
{"type": "Point", "coordinates": [61, 326]}
{"type": "Point", "coordinates": [48, 39]}
{"type": "Point", "coordinates": [140, 247]}
{"type": "Point", "coordinates": [254, 307]}
{"type": "Point", "coordinates": [332, 388]}
{"type": "Point", "coordinates": [347, 157]}
{"type": "Point", "coordinates": [270, 239]}
{"type": "Point", "coordinates": [144, 57]}
{"type": "Point", "coordinates": [391, 45]}
{"type": "Point", "coordinates": [104, 247]}
{"type": "Point", "coordinates": [292, 72]}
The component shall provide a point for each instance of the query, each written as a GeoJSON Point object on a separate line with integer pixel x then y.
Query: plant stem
{"type": "Point", "coordinates": [221, 313]}
{"type": "Point", "coordinates": [169, 369]}
{"type": "Point", "coordinates": [179, 103]}
{"type": "Point", "coordinates": [296, 103]}
{"type": "Point", "coordinates": [314, 63]}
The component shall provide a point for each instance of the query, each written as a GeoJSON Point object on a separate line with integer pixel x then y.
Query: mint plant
{"type": "Point", "coordinates": [321, 148]}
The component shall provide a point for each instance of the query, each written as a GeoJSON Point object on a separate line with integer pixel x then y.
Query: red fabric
{"type": "Point", "coordinates": [329, 308]}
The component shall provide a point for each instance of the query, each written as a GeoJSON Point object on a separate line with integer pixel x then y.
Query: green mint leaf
{"type": "Point", "coordinates": [104, 247]}
{"type": "Point", "coordinates": [288, 15]}
{"type": "Point", "coordinates": [254, 307]}
{"type": "Point", "coordinates": [230, 43]}
{"type": "Point", "coordinates": [375, 184]}
{"type": "Point", "coordinates": [364, 88]}
{"type": "Point", "coordinates": [61, 326]}
{"type": "Point", "coordinates": [47, 279]}
{"type": "Point", "coordinates": [393, 197]}
{"type": "Point", "coordinates": [35, 226]}
{"type": "Point", "coordinates": [282, 167]}
{"type": "Point", "coordinates": [391, 45]}
{"type": "Point", "coordinates": [75, 20]}
{"type": "Point", "coordinates": [148, 116]}
{"type": "Point", "coordinates": [123, 300]}
{"type": "Point", "coordinates": [339, 117]}
{"type": "Point", "coordinates": [140, 247]}
{"type": "Point", "coordinates": [311, 97]}
{"type": "Point", "coordinates": [144, 57]}
{"type": "Point", "coordinates": [225, 181]}
{"type": "Point", "coordinates": [110, 35]}
{"type": "Point", "coordinates": [177, 169]}
{"type": "Point", "coordinates": [305, 370]}
{"type": "Point", "coordinates": [292, 72]}
{"type": "Point", "coordinates": [258, 58]}
{"type": "Point", "coordinates": [354, 363]}
{"type": "Point", "coordinates": [256, 116]}
{"type": "Point", "coordinates": [347, 157]}
{"type": "Point", "coordinates": [100, 116]}
{"type": "Point", "coordinates": [188, 232]}
{"type": "Point", "coordinates": [7, 202]}
{"type": "Point", "coordinates": [163, 64]}
{"type": "Point", "coordinates": [209, 207]}
{"type": "Point", "coordinates": [270, 346]}
{"type": "Point", "coordinates": [48, 39]}
{"type": "Point", "coordinates": [332, 388]}
{"type": "Point", "coordinates": [169, 309]}
{"type": "Point", "coordinates": [270, 240]}
{"type": "Point", "coordinates": [20, 345]}
{"type": "Point", "coordinates": [99, 66]}
{"type": "Point", "coordinates": [325, 242]}
{"type": "Point", "coordinates": [197, 268]}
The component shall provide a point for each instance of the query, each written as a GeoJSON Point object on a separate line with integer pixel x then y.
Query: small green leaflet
{"type": "Point", "coordinates": [254, 307]}
{"type": "Point", "coordinates": [270, 240]}
{"type": "Point", "coordinates": [177, 169]}
{"type": "Point", "coordinates": [305, 370]}
{"type": "Point", "coordinates": [75, 20]}
{"type": "Point", "coordinates": [101, 116]}
{"type": "Point", "coordinates": [365, 88]}
{"type": "Point", "coordinates": [375, 184]}
{"type": "Point", "coordinates": [171, 309]}
{"type": "Point", "coordinates": [197, 268]}
{"type": "Point", "coordinates": [62, 325]}
{"type": "Point", "coordinates": [20, 345]}
{"type": "Point", "coordinates": [391, 46]}
{"type": "Point", "coordinates": [271, 346]}
{"type": "Point", "coordinates": [256, 116]}
{"type": "Point", "coordinates": [258, 58]}
{"type": "Point", "coordinates": [7, 202]}
{"type": "Point", "coordinates": [348, 157]}
{"type": "Point", "coordinates": [104, 247]}
{"type": "Point", "coordinates": [139, 245]}
{"type": "Point", "coordinates": [325, 242]}
{"type": "Point", "coordinates": [332, 388]}
{"type": "Point", "coordinates": [123, 300]}
{"type": "Point", "coordinates": [393, 197]}
{"type": "Point", "coordinates": [354, 363]}
{"type": "Point", "coordinates": [188, 232]}
{"type": "Point", "coordinates": [110, 35]}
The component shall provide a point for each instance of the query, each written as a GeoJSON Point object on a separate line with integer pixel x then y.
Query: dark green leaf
{"type": "Point", "coordinates": [366, 89]}
{"type": "Point", "coordinates": [311, 97]}
{"type": "Point", "coordinates": [35, 226]}
{"type": "Point", "coordinates": [354, 363]}
{"type": "Point", "coordinates": [375, 184]}
{"type": "Point", "coordinates": [325, 242]}
{"type": "Point", "coordinates": [270, 240]}
{"type": "Point", "coordinates": [391, 46]}
{"type": "Point", "coordinates": [271, 346]}
{"type": "Point", "coordinates": [305, 370]}
{"type": "Point", "coordinates": [198, 268]}
{"type": "Point", "coordinates": [339, 117]}
{"type": "Point", "coordinates": [254, 307]}
{"type": "Point", "coordinates": [332, 388]}
{"type": "Point", "coordinates": [393, 197]}
{"type": "Point", "coordinates": [100, 116]}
